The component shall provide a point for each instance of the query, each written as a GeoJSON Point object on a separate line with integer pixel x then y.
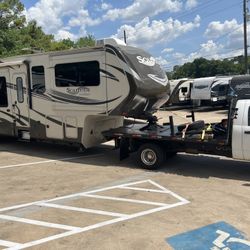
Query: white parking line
{"type": "Point", "coordinates": [5, 243]}
{"type": "Point", "coordinates": [78, 209]}
{"type": "Point", "coordinates": [48, 161]}
{"type": "Point", "coordinates": [76, 230]}
{"type": "Point", "coordinates": [144, 189]}
{"type": "Point", "coordinates": [123, 199]}
{"type": "Point", "coordinates": [38, 223]}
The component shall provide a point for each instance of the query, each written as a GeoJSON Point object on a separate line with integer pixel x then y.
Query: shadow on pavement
{"type": "Point", "coordinates": [199, 166]}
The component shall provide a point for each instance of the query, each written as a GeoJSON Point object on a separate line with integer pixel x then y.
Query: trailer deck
{"type": "Point", "coordinates": [169, 139]}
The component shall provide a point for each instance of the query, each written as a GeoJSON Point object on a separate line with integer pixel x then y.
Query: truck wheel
{"type": "Point", "coordinates": [151, 156]}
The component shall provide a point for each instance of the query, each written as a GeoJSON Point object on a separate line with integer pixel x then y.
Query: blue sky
{"type": "Point", "coordinates": [173, 31]}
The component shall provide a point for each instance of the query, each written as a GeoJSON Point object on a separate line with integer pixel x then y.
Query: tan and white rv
{"type": "Point", "coordinates": [73, 96]}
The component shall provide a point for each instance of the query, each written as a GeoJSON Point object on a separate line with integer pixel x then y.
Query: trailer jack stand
{"type": "Point", "coordinates": [152, 124]}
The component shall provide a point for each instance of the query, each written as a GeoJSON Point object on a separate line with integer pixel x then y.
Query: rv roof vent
{"type": "Point", "coordinates": [110, 41]}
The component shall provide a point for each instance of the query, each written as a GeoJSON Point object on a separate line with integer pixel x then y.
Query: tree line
{"type": "Point", "coordinates": [202, 67]}
{"type": "Point", "coordinates": [17, 36]}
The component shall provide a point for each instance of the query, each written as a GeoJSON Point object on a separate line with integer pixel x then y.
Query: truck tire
{"type": "Point", "coordinates": [151, 156]}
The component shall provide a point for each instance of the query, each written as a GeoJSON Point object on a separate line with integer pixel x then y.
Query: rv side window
{"type": "Point", "coordinates": [184, 89]}
{"type": "Point", "coordinates": [249, 116]}
{"type": "Point", "coordinates": [38, 79]}
{"type": "Point", "coordinates": [3, 93]}
{"type": "Point", "coordinates": [19, 89]}
{"type": "Point", "coordinates": [77, 74]}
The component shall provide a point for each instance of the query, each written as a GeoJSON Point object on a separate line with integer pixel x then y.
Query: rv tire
{"type": "Point", "coordinates": [151, 156]}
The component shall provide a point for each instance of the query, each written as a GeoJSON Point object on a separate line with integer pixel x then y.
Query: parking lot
{"type": "Point", "coordinates": [54, 197]}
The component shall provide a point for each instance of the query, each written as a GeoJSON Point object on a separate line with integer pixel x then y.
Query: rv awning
{"type": "Point", "coordinates": [13, 63]}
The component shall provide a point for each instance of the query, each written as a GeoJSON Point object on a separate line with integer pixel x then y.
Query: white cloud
{"type": "Point", "coordinates": [106, 6]}
{"type": "Point", "coordinates": [64, 34]}
{"type": "Point", "coordinates": [141, 8]}
{"type": "Point", "coordinates": [148, 34]}
{"type": "Point", "coordinates": [225, 40]}
{"type": "Point", "coordinates": [167, 50]}
{"type": "Point", "coordinates": [83, 19]}
{"type": "Point", "coordinates": [162, 61]}
{"type": "Point", "coordinates": [216, 29]}
{"type": "Point", "coordinates": [230, 33]}
{"type": "Point", "coordinates": [52, 16]}
{"type": "Point", "coordinates": [191, 4]}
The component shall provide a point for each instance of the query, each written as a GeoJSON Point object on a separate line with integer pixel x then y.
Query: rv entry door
{"type": "Point", "coordinates": [6, 116]}
{"type": "Point", "coordinates": [20, 104]}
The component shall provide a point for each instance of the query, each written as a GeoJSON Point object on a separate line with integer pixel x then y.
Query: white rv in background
{"type": "Point", "coordinates": [201, 89]}
{"type": "Point", "coordinates": [185, 91]}
{"type": "Point", "coordinates": [73, 96]}
{"type": "Point", "coordinates": [211, 90]}
{"type": "Point", "coordinates": [220, 89]}
{"type": "Point", "coordinates": [180, 90]}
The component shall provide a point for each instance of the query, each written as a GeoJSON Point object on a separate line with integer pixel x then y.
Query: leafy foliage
{"type": "Point", "coordinates": [19, 37]}
{"type": "Point", "coordinates": [202, 67]}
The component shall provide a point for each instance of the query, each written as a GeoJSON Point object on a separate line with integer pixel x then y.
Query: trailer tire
{"type": "Point", "coordinates": [151, 156]}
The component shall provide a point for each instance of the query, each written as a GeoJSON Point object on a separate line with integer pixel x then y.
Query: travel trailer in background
{"type": "Point", "coordinates": [180, 91]}
{"type": "Point", "coordinates": [73, 96]}
{"type": "Point", "coordinates": [210, 90]}
{"type": "Point", "coordinates": [185, 91]}
{"type": "Point", "coordinates": [201, 90]}
{"type": "Point", "coordinates": [220, 90]}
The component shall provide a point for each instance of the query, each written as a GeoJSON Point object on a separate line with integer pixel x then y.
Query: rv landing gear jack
{"type": "Point", "coordinates": [152, 124]}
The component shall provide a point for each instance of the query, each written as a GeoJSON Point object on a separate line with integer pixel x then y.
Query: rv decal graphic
{"type": "Point", "coordinates": [146, 61]}
{"type": "Point", "coordinates": [201, 86]}
{"type": "Point", "coordinates": [108, 75]}
{"type": "Point", "coordinates": [162, 81]}
{"type": "Point", "coordinates": [77, 99]}
{"type": "Point", "coordinates": [78, 91]}
{"type": "Point", "coordinates": [245, 85]}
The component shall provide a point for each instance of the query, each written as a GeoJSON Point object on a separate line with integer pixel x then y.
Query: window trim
{"type": "Point", "coordinates": [32, 84]}
{"type": "Point", "coordinates": [19, 88]}
{"type": "Point", "coordinates": [249, 116]}
{"type": "Point", "coordinates": [7, 101]}
{"type": "Point", "coordinates": [77, 65]}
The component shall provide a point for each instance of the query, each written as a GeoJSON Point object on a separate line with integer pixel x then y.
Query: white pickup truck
{"type": "Point", "coordinates": [241, 131]}
{"type": "Point", "coordinates": [154, 143]}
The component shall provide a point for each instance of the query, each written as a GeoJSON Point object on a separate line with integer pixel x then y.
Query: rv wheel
{"type": "Point", "coordinates": [151, 156]}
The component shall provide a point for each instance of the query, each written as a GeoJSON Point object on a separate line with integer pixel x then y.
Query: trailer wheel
{"type": "Point", "coordinates": [151, 156]}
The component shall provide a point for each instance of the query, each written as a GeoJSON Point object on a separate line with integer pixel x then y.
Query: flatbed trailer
{"type": "Point", "coordinates": [154, 143]}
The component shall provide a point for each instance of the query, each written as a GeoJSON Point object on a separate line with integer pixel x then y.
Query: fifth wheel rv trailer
{"type": "Point", "coordinates": [73, 96]}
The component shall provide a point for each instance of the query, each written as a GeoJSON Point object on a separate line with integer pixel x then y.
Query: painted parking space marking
{"type": "Point", "coordinates": [48, 161]}
{"type": "Point", "coordinates": [72, 230]}
{"type": "Point", "coordinates": [218, 236]}
{"type": "Point", "coordinates": [5, 243]}
{"type": "Point", "coordinates": [85, 210]}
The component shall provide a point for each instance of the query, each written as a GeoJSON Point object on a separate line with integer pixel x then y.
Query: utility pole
{"type": "Point", "coordinates": [125, 36]}
{"type": "Point", "coordinates": [246, 16]}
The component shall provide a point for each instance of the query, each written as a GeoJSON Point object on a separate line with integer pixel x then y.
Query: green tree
{"type": "Point", "coordinates": [11, 14]}
{"type": "Point", "coordinates": [202, 67]}
{"type": "Point", "coordinates": [11, 21]}
{"type": "Point", "coordinates": [87, 41]}
{"type": "Point", "coordinates": [19, 37]}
